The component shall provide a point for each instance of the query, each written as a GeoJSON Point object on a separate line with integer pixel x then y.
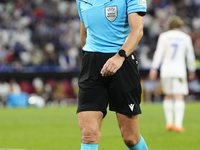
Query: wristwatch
{"type": "Point", "coordinates": [122, 53]}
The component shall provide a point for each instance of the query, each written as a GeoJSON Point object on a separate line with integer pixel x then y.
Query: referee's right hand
{"type": "Point", "coordinates": [112, 65]}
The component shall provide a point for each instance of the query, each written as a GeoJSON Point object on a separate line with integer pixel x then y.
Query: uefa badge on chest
{"type": "Point", "coordinates": [111, 13]}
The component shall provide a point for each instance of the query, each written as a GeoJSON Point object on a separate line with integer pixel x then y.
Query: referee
{"type": "Point", "coordinates": [110, 31]}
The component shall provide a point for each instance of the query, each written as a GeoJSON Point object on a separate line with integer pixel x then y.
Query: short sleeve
{"type": "Point", "coordinates": [79, 9]}
{"type": "Point", "coordinates": [134, 6]}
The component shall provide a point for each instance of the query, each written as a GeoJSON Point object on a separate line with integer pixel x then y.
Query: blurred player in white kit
{"type": "Point", "coordinates": [174, 49]}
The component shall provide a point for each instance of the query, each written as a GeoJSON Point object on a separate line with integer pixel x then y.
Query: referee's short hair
{"type": "Point", "coordinates": [175, 22]}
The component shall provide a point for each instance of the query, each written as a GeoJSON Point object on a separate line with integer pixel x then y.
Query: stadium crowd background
{"type": "Point", "coordinates": [43, 36]}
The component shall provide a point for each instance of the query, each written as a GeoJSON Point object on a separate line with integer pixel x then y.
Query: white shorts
{"type": "Point", "coordinates": [173, 86]}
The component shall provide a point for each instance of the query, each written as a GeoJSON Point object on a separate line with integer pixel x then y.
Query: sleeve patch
{"type": "Point", "coordinates": [142, 2]}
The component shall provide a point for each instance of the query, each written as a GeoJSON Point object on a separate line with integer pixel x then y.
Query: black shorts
{"type": "Point", "coordinates": [122, 91]}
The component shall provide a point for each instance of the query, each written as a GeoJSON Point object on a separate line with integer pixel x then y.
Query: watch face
{"type": "Point", "coordinates": [122, 53]}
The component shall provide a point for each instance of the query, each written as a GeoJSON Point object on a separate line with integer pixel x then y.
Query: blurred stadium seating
{"type": "Point", "coordinates": [40, 38]}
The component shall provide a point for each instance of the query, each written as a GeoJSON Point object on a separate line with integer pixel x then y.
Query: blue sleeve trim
{"type": "Point", "coordinates": [136, 6]}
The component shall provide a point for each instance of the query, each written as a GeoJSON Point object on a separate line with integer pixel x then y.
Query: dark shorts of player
{"type": "Point", "coordinates": [122, 91]}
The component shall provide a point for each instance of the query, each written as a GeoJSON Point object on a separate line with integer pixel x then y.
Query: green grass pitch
{"type": "Point", "coordinates": [57, 129]}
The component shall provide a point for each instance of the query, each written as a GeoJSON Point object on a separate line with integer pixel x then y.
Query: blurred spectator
{"type": "Point", "coordinates": [28, 27]}
{"type": "Point", "coordinates": [5, 89]}
{"type": "Point", "coordinates": [70, 58]}
{"type": "Point", "coordinates": [152, 90]}
{"type": "Point", "coordinates": [14, 87]}
{"type": "Point", "coordinates": [50, 58]}
{"type": "Point", "coordinates": [75, 87]}
{"type": "Point", "coordinates": [68, 89]}
{"type": "Point", "coordinates": [38, 34]}
{"type": "Point", "coordinates": [36, 56]}
{"type": "Point", "coordinates": [26, 86]}
{"type": "Point", "coordinates": [59, 92]}
{"type": "Point", "coordinates": [194, 87]}
{"type": "Point", "coordinates": [3, 54]}
{"type": "Point", "coordinates": [38, 85]}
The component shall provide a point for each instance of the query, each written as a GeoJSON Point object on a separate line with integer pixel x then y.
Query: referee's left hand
{"type": "Point", "coordinates": [112, 65]}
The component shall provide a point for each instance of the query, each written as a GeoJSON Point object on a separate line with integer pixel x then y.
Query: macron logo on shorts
{"type": "Point", "coordinates": [131, 106]}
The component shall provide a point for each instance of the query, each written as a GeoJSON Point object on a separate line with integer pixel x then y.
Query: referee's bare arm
{"type": "Point", "coordinates": [136, 33]}
{"type": "Point", "coordinates": [83, 34]}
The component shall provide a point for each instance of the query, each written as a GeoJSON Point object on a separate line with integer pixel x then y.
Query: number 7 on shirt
{"type": "Point", "coordinates": [175, 46]}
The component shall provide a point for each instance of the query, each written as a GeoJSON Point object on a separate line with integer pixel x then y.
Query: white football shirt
{"type": "Point", "coordinates": [174, 53]}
